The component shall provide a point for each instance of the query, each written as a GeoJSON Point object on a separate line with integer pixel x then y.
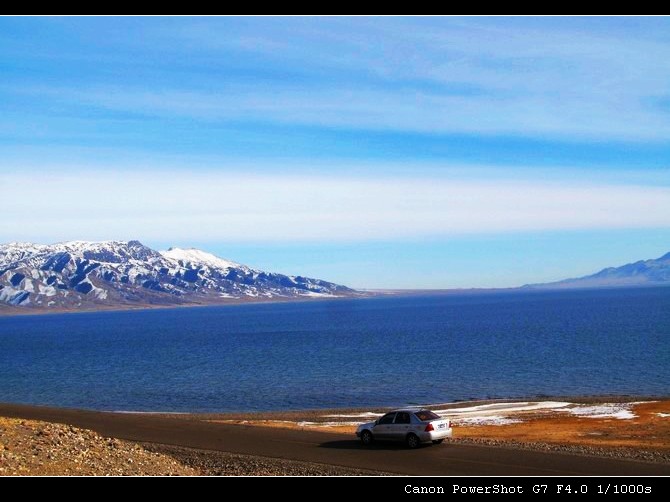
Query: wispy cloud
{"type": "Point", "coordinates": [557, 78]}
{"type": "Point", "coordinates": [364, 108]}
{"type": "Point", "coordinates": [238, 208]}
{"type": "Point", "coordinates": [504, 76]}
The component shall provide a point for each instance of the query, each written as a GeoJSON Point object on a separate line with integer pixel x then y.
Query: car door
{"type": "Point", "coordinates": [383, 428]}
{"type": "Point", "coordinates": [400, 426]}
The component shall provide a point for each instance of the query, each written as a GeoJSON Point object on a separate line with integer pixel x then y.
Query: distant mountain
{"type": "Point", "coordinates": [79, 274]}
{"type": "Point", "coordinates": [641, 273]}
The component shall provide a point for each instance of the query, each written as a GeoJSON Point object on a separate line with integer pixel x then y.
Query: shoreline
{"type": "Point", "coordinates": [11, 311]}
{"type": "Point", "coordinates": [577, 399]}
{"type": "Point", "coordinates": [364, 294]}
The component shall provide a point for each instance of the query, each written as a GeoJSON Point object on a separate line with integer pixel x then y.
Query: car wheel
{"type": "Point", "coordinates": [413, 441]}
{"type": "Point", "coordinates": [438, 441]}
{"type": "Point", "coordinates": [366, 438]}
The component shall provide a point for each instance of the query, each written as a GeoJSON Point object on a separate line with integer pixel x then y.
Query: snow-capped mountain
{"type": "Point", "coordinates": [82, 274]}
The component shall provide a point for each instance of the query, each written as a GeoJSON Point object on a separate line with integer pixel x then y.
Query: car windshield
{"type": "Point", "coordinates": [426, 415]}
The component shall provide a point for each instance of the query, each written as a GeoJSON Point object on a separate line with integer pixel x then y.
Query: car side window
{"type": "Point", "coordinates": [387, 419]}
{"type": "Point", "coordinates": [402, 418]}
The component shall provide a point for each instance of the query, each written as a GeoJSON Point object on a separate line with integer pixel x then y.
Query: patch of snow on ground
{"type": "Point", "coordinates": [326, 424]}
{"type": "Point", "coordinates": [367, 414]}
{"type": "Point", "coordinates": [487, 420]}
{"type": "Point", "coordinates": [663, 415]}
{"type": "Point", "coordinates": [497, 413]}
{"type": "Point", "coordinates": [498, 408]}
{"type": "Point", "coordinates": [608, 410]}
{"type": "Point", "coordinates": [131, 412]}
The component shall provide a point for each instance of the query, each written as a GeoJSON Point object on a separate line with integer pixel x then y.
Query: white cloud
{"type": "Point", "coordinates": [175, 205]}
{"type": "Point", "coordinates": [362, 107]}
{"type": "Point", "coordinates": [492, 76]}
{"type": "Point", "coordinates": [549, 78]}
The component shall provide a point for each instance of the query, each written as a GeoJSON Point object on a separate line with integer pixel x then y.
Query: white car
{"type": "Point", "coordinates": [413, 426]}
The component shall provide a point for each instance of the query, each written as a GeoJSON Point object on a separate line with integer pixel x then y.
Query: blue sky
{"type": "Point", "coordinates": [376, 152]}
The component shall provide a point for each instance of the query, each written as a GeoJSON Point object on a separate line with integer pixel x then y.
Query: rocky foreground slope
{"type": "Point", "coordinates": [35, 448]}
{"type": "Point", "coordinates": [29, 447]}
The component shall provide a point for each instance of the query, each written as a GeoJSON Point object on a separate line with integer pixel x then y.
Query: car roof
{"type": "Point", "coordinates": [409, 410]}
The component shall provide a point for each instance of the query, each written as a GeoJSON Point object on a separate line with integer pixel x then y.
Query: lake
{"type": "Point", "coordinates": [342, 353]}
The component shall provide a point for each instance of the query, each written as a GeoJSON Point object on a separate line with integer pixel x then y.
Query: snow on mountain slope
{"type": "Point", "coordinates": [80, 274]}
{"type": "Point", "coordinates": [198, 257]}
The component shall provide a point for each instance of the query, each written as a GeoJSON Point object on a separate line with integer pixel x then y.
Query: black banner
{"type": "Point", "coordinates": [402, 486]}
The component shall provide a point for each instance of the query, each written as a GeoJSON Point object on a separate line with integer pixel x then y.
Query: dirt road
{"type": "Point", "coordinates": [333, 449]}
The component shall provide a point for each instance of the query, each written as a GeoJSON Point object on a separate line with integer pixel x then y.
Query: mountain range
{"type": "Point", "coordinates": [654, 272]}
{"type": "Point", "coordinates": [117, 274]}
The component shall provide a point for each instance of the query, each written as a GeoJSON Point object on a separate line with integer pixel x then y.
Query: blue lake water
{"type": "Point", "coordinates": [381, 351]}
